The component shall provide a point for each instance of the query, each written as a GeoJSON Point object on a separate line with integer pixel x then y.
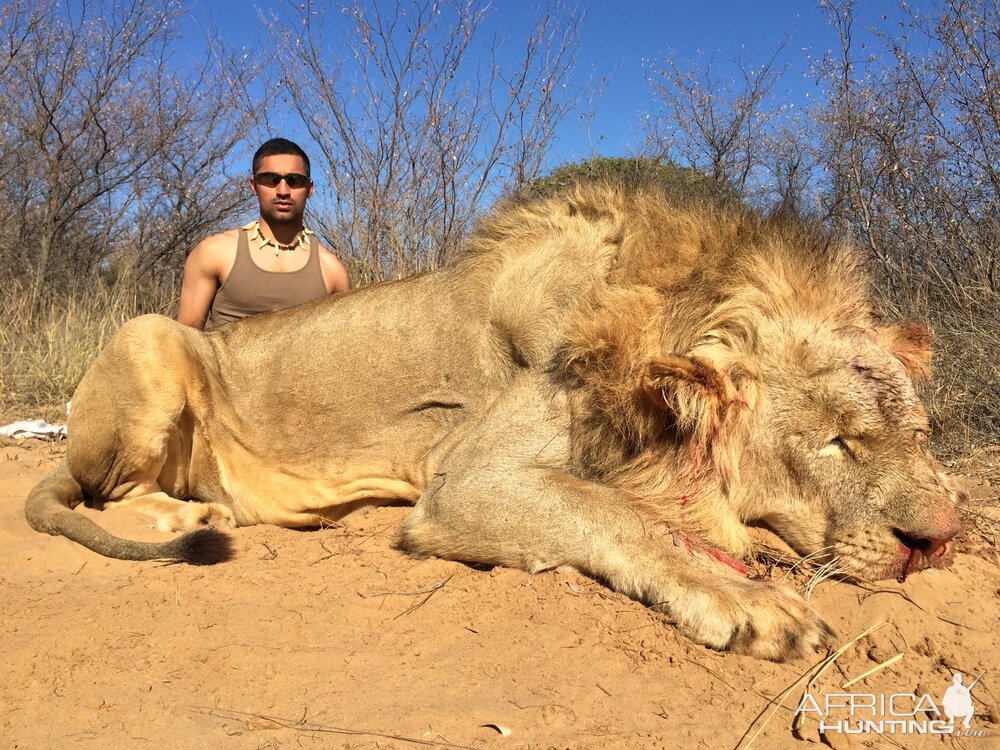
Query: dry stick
{"type": "Point", "coordinates": [956, 623]}
{"type": "Point", "coordinates": [363, 539]}
{"type": "Point", "coordinates": [812, 673]}
{"type": "Point", "coordinates": [714, 674]}
{"type": "Point", "coordinates": [889, 591]}
{"type": "Point", "coordinates": [436, 587]}
{"type": "Point", "coordinates": [428, 590]}
{"type": "Point", "coordinates": [831, 659]}
{"type": "Point", "coordinates": [910, 600]}
{"type": "Point", "coordinates": [303, 726]}
{"type": "Point", "coordinates": [873, 670]}
{"type": "Point", "coordinates": [326, 556]}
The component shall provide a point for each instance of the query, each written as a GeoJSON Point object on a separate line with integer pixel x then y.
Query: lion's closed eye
{"type": "Point", "coordinates": [837, 446]}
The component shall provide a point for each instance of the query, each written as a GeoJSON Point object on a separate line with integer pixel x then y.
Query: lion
{"type": "Point", "coordinates": [614, 379]}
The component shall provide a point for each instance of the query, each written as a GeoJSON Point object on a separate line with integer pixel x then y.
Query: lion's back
{"type": "Point", "coordinates": [700, 256]}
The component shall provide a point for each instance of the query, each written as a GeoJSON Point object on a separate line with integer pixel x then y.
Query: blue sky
{"type": "Point", "coordinates": [617, 41]}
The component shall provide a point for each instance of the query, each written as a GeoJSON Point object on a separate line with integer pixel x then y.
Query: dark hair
{"type": "Point", "coordinates": [277, 147]}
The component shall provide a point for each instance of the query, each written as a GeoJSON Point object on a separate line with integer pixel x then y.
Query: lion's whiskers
{"type": "Point", "coordinates": [806, 560]}
{"type": "Point", "coordinates": [831, 570]}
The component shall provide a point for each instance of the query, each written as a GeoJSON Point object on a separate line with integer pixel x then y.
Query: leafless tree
{"type": "Point", "coordinates": [414, 135]}
{"type": "Point", "coordinates": [914, 143]}
{"type": "Point", "coordinates": [909, 134]}
{"type": "Point", "coordinates": [193, 185]}
{"type": "Point", "coordinates": [109, 141]}
{"type": "Point", "coordinates": [718, 124]}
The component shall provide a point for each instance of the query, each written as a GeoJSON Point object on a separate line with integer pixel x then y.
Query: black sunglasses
{"type": "Point", "coordinates": [273, 179]}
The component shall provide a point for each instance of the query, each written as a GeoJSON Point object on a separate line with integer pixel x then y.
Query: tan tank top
{"type": "Point", "coordinates": [250, 289]}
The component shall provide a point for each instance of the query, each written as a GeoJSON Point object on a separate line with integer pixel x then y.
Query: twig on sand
{"type": "Point", "coordinates": [714, 673]}
{"type": "Point", "coordinates": [956, 623]}
{"type": "Point", "coordinates": [327, 556]}
{"type": "Point", "coordinates": [903, 594]}
{"type": "Point", "coordinates": [365, 537]}
{"type": "Point", "coordinates": [428, 591]}
{"type": "Point", "coordinates": [811, 674]}
{"type": "Point", "coordinates": [305, 726]}
{"type": "Point", "coordinates": [910, 600]}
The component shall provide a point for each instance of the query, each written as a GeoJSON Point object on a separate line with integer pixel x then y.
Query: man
{"type": "Point", "coordinates": [269, 264]}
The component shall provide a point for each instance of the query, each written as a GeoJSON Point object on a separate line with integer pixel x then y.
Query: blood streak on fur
{"type": "Point", "coordinates": [691, 546]}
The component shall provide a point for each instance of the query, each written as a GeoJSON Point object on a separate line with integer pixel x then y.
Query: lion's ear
{"type": "Point", "coordinates": [709, 393]}
{"type": "Point", "coordinates": [694, 390]}
{"type": "Point", "coordinates": [910, 343]}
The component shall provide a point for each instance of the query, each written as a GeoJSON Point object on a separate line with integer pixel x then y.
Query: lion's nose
{"type": "Point", "coordinates": [936, 548]}
{"type": "Point", "coordinates": [932, 546]}
{"type": "Point", "coordinates": [944, 525]}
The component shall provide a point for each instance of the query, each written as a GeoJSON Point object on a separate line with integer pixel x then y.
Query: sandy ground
{"type": "Point", "coordinates": [333, 639]}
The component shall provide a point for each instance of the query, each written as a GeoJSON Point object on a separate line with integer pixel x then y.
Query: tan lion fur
{"type": "Point", "coordinates": [612, 378]}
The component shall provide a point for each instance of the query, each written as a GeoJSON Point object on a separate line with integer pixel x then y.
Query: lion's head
{"type": "Point", "coordinates": [743, 380]}
{"type": "Point", "coordinates": [835, 458]}
{"type": "Point", "coordinates": [843, 438]}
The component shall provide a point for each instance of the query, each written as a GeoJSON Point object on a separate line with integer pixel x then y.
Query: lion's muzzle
{"type": "Point", "coordinates": [932, 548]}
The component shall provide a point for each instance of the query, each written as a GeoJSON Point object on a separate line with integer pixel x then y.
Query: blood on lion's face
{"type": "Point", "coordinates": [854, 484]}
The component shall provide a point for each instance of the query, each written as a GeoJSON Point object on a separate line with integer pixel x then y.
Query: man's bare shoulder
{"type": "Point", "coordinates": [334, 272]}
{"type": "Point", "coordinates": [222, 241]}
{"type": "Point", "coordinates": [216, 252]}
{"type": "Point", "coordinates": [325, 252]}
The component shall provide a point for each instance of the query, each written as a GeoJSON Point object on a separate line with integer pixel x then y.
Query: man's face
{"type": "Point", "coordinates": [282, 203]}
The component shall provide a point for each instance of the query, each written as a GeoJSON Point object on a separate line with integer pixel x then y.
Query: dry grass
{"type": "Point", "coordinates": [963, 397]}
{"type": "Point", "coordinates": [49, 336]}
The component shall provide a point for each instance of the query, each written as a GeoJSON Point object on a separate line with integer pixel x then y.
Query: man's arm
{"type": "Point", "coordinates": [335, 274]}
{"type": "Point", "coordinates": [201, 282]}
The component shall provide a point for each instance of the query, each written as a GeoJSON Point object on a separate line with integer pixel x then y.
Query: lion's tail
{"type": "Point", "coordinates": [49, 510]}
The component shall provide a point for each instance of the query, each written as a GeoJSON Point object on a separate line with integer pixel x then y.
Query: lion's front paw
{"type": "Point", "coordinates": [195, 515]}
{"type": "Point", "coordinates": [762, 620]}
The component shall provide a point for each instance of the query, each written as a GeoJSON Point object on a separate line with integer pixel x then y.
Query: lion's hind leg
{"type": "Point", "coordinates": [128, 426]}
{"type": "Point", "coordinates": [49, 510]}
{"type": "Point", "coordinates": [171, 514]}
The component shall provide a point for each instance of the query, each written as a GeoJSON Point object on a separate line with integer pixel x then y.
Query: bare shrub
{"type": "Point", "coordinates": [108, 147]}
{"type": "Point", "coordinates": [415, 136]}
{"type": "Point", "coordinates": [717, 124]}
{"type": "Point", "coordinates": [900, 153]}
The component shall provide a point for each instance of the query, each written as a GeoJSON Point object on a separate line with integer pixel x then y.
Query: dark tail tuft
{"type": "Point", "coordinates": [203, 547]}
